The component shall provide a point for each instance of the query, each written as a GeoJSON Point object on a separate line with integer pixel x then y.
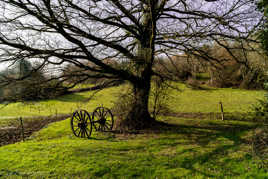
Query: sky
{"type": "Point", "coordinates": [205, 6]}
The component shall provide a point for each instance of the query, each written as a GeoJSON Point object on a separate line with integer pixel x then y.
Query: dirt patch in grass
{"type": "Point", "coordinates": [14, 133]}
{"type": "Point", "coordinates": [236, 116]}
{"type": "Point", "coordinates": [193, 115]}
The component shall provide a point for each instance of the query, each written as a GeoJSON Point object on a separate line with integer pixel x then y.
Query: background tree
{"type": "Point", "coordinates": [25, 84]}
{"type": "Point", "coordinates": [85, 33]}
{"type": "Point", "coordinates": [263, 7]}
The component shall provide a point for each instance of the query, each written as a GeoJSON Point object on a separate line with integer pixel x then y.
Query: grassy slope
{"type": "Point", "coordinates": [61, 105]}
{"type": "Point", "coordinates": [191, 149]}
{"type": "Point", "coordinates": [64, 104]}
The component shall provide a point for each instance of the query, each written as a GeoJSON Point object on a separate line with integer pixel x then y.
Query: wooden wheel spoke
{"type": "Point", "coordinates": [107, 127]}
{"type": "Point", "coordinates": [95, 124]}
{"type": "Point", "coordinates": [95, 127]}
{"type": "Point", "coordinates": [79, 132]}
{"type": "Point", "coordinates": [109, 121]}
{"type": "Point", "coordinates": [84, 116]}
{"type": "Point", "coordinates": [76, 115]}
{"type": "Point", "coordinates": [83, 133]}
{"type": "Point", "coordinates": [81, 116]}
{"type": "Point", "coordinates": [104, 114]}
{"type": "Point", "coordinates": [75, 121]}
{"type": "Point", "coordinates": [99, 113]}
{"type": "Point", "coordinates": [108, 124]}
{"type": "Point", "coordinates": [88, 134]}
{"type": "Point", "coordinates": [95, 116]}
{"type": "Point", "coordinates": [75, 131]}
{"type": "Point", "coordinates": [96, 119]}
{"type": "Point", "coordinates": [87, 118]}
{"type": "Point", "coordinates": [85, 130]}
{"type": "Point", "coordinates": [102, 127]}
{"type": "Point", "coordinates": [99, 128]}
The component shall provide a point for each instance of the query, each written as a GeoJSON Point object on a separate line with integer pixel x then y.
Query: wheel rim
{"type": "Point", "coordinates": [103, 119]}
{"type": "Point", "coordinates": [81, 124]}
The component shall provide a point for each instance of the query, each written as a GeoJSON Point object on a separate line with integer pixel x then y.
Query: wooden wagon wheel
{"type": "Point", "coordinates": [81, 124]}
{"type": "Point", "coordinates": [102, 119]}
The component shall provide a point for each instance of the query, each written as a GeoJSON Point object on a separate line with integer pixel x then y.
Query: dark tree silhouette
{"type": "Point", "coordinates": [87, 33]}
{"type": "Point", "coordinates": [263, 7]}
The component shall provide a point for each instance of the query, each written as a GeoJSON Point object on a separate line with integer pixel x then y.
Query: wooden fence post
{"type": "Point", "coordinates": [222, 113]}
{"type": "Point", "coordinates": [22, 128]}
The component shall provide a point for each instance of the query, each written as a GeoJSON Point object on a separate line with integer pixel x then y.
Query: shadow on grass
{"type": "Point", "coordinates": [201, 148]}
{"type": "Point", "coordinates": [202, 135]}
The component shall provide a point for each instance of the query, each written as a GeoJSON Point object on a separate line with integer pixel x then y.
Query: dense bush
{"type": "Point", "coordinates": [233, 74]}
{"type": "Point", "coordinates": [242, 68]}
{"type": "Point", "coordinates": [177, 68]}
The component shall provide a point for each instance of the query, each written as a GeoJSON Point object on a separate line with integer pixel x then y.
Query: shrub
{"type": "Point", "coordinates": [243, 68]}
{"type": "Point", "coordinates": [193, 84]}
{"type": "Point", "coordinates": [160, 97]}
{"type": "Point", "coordinates": [122, 105]}
{"type": "Point", "coordinates": [261, 108]}
{"type": "Point", "coordinates": [260, 147]}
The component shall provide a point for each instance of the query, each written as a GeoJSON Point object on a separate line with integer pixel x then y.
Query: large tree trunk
{"type": "Point", "coordinates": [138, 116]}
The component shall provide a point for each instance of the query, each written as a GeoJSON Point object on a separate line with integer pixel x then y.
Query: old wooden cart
{"type": "Point", "coordinates": [83, 122]}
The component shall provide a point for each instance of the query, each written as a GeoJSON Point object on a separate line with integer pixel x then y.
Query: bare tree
{"type": "Point", "coordinates": [86, 33]}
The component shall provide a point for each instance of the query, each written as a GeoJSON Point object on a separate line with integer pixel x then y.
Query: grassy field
{"type": "Point", "coordinates": [189, 148]}
{"type": "Point", "coordinates": [184, 100]}
{"type": "Point", "coordinates": [206, 101]}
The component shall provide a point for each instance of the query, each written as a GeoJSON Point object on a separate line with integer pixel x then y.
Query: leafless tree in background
{"type": "Point", "coordinates": [87, 33]}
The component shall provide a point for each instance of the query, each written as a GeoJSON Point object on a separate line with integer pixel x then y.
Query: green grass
{"type": "Point", "coordinates": [185, 100]}
{"type": "Point", "coordinates": [62, 105]}
{"type": "Point", "coordinates": [190, 148]}
{"type": "Point", "coordinates": [203, 76]}
{"type": "Point", "coordinates": [206, 101]}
